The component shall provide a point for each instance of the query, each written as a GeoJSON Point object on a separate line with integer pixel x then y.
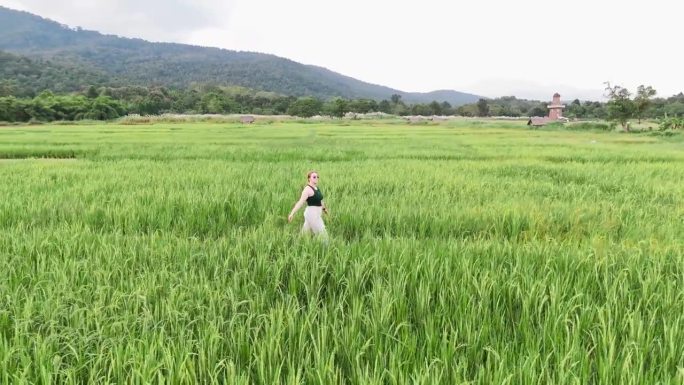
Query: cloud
{"type": "Point", "coordinates": [420, 46]}
{"type": "Point", "coordinates": [157, 20]}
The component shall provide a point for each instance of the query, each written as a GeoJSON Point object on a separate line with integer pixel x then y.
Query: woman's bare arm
{"type": "Point", "coordinates": [305, 194]}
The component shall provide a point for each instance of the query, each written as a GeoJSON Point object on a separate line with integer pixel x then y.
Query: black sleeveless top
{"type": "Point", "coordinates": [315, 200]}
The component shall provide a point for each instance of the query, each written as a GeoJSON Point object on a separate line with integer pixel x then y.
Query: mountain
{"type": "Point", "coordinates": [139, 62]}
{"type": "Point", "coordinates": [25, 77]}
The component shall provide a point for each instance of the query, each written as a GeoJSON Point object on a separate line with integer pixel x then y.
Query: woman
{"type": "Point", "coordinates": [312, 195]}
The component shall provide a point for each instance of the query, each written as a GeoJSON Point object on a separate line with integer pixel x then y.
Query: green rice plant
{"type": "Point", "coordinates": [459, 253]}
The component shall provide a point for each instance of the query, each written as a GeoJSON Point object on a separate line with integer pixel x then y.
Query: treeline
{"type": "Point", "coordinates": [105, 103]}
{"type": "Point", "coordinates": [48, 107]}
{"type": "Point", "coordinates": [511, 106]}
{"type": "Point", "coordinates": [514, 107]}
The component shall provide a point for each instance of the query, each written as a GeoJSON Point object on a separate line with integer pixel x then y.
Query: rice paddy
{"type": "Point", "coordinates": [459, 253]}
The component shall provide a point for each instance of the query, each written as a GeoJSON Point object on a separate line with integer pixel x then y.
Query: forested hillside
{"type": "Point", "coordinates": [138, 62]}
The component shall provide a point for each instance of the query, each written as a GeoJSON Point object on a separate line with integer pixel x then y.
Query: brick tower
{"type": "Point", "coordinates": [555, 108]}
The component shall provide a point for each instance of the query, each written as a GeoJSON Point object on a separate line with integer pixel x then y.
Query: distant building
{"type": "Point", "coordinates": [537, 121]}
{"type": "Point", "coordinates": [555, 113]}
{"type": "Point", "coordinates": [556, 108]}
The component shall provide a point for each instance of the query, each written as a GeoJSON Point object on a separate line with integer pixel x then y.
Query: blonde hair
{"type": "Point", "coordinates": [308, 175]}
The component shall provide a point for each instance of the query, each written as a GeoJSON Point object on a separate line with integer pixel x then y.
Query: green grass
{"type": "Point", "coordinates": [460, 252]}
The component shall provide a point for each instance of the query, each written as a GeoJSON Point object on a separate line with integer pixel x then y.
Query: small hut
{"type": "Point", "coordinates": [537, 121]}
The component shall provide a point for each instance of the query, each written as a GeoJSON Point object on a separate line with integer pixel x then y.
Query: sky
{"type": "Point", "coordinates": [526, 48]}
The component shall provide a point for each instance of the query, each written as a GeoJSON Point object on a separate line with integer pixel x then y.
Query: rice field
{"type": "Point", "coordinates": [459, 253]}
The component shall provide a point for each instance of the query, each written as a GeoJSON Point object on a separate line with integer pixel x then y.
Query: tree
{"type": "Point", "coordinates": [675, 109]}
{"type": "Point", "coordinates": [421, 109]}
{"type": "Point", "coordinates": [7, 88]}
{"type": "Point", "coordinates": [538, 110]}
{"type": "Point", "coordinates": [400, 109]}
{"type": "Point", "coordinates": [482, 107]}
{"type": "Point", "coordinates": [467, 110]}
{"type": "Point", "coordinates": [156, 102]}
{"type": "Point", "coordinates": [447, 109]}
{"type": "Point", "coordinates": [335, 107]}
{"type": "Point", "coordinates": [620, 107]}
{"type": "Point", "coordinates": [396, 98]}
{"type": "Point", "coordinates": [92, 92]}
{"type": "Point", "coordinates": [362, 106]}
{"type": "Point", "coordinates": [282, 105]}
{"type": "Point", "coordinates": [495, 109]}
{"type": "Point", "coordinates": [436, 108]}
{"type": "Point", "coordinates": [104, 108]}
{"type": "Point", "coordinates": [642, 100]}
{"type": "Point", "coordinates": [8, 109]}
{"type": "Point", "coordinates": [384, 106]}
{"type": "Point", "coordinates": [575, 109]}
{"type": "Point", "coordinates": [511, 110]}
{"type": "Point", "coordinates": [305, 107]}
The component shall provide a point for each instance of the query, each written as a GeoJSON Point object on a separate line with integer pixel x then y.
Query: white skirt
{"type": "Point", "coordinates": [313, 221]}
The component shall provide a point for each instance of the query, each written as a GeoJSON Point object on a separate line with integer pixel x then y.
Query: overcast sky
{"type": "Point", "coordinates": [529, 48]}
